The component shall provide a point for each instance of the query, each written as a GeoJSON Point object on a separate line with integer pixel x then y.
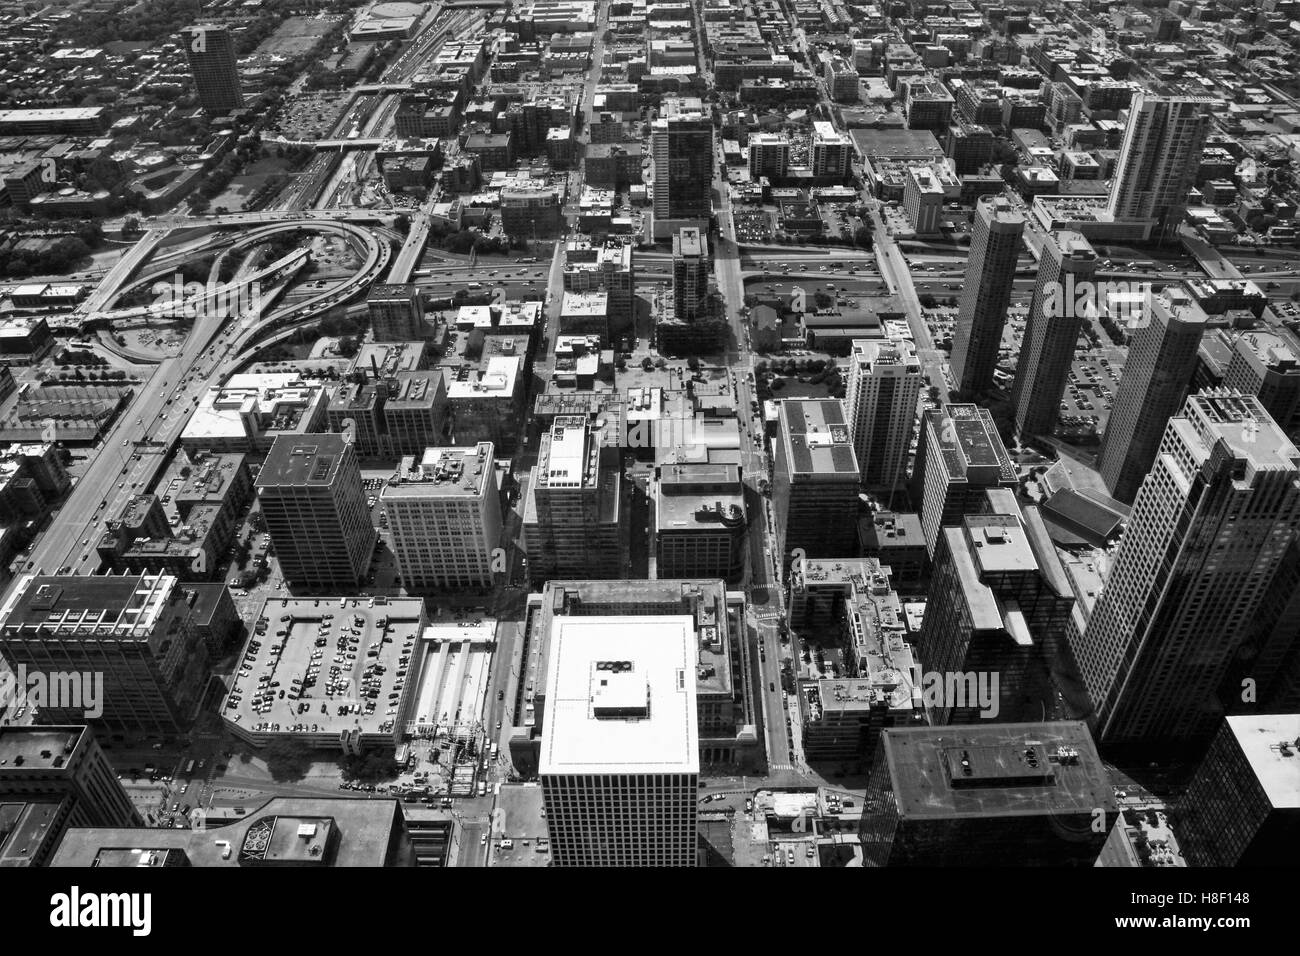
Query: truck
{"type": "Point", "coordinates": [482, 788]}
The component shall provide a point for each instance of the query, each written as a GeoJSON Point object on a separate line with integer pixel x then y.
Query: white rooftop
{"type": "Point", "coordinates": [639, 672]}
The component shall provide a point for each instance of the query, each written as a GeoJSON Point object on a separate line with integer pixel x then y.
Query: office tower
{"type": "Point", "coordinates": [986, 294]}
{"type": "Point", "coordinates": [832, 152]}
{"type": "Point", "coordinates": [571, 514]}
{"type": "Point", "coordinates": [959, 456]}
{"type": "Point", "coordinates": [1161, 361]}
{"type": "Point", "coordinates": [1243, 806]}
{"type": "Point", "coordinates": [126, 652]}
{"type": "Point", "coordinates": [690, 273]}
{"type": "Point", "coordinates": [211, 52]}
{"type": "Point", "coordinates": [396, 312]}
{"type": "Point", "coordinates": [725, 710]}
{"type": "Point", "coordinates": [682, 144]}
{"type": "Point", "coordinates": [815, 480]}
{"type": "Point", "coordinates": [1063, 295]}
{"type": "Point", "coordinates": [769, 155]}
{"type": "Point", "coordinates": [997, 610]}
{"type": "Point", "coordinates": [699, 521]}
{"type": "Point", "coordinates": [445, 515]}
{"type": "Point", "coordinates": [1209, 531]}
{"type": "Point", "coordinates": [883, 391]}
{"type": "Point", "coordinates": [304, 832]}
{"type": "Point", "coordinates": [315, 510]}
{"type": "Point", "coordinates": [53, 778]}
{"type": "Point", "coordinates": [1159, 157]}
{"type": "Point", "coordinates": [620, 760]}
{"type": "Point", "coordinates": [987, 795]}
{"type": "Point", "coordinates": [392, 415]}
{"type": "Point", "coordinates": [1265, 364]}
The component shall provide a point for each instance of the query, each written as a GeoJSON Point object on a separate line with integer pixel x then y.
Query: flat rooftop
{"type": "Point", "coordinates": [443, 473]}
{"type": "Point", "coordinates": [1031, 769]}
{"type": "Point", "coordinates": [637, 717]}
{"type": "Point", "coordinates": [330, 657]}
{"type": "Point", "coordinates": [24, 749]}
{"type": "Point", "coordinates": [1262, 740]}
{"type": "Point", "coordinates": [817, 437]}
{"type": "Point", "coordinates": [302, 460]}
{"type": "Point", "coordinates": [88, 605]}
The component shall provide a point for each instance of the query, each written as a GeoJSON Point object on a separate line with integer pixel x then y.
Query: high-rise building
{"type": "Point", "coordinates": [1243, 806]}
{"type": "Point", "coordinates": [125, 652]}
{"type": "Point", "coordinates": [681, 141]}
{"type": "Point", "coordinates": [211, 52]}
{"type": "Point", "coordinates": [571, 514]}
{"type": "Point", "coordinates": [445, 514]}
{"type": "Point", "coordinates": [1161, 362]}
{"type": "Point", "coordinates": [620, 759]}
{"type": "Point", "coordinates": [396, 312]}
{"type": "Point", "coordinates": [881, 401]}
{"type": "Point", "coordinates": [959, 456]}
{"type": "Point", "coordinates": [815, 480]}
{"type": "Point", "coordinates": [315, 510]}
{"type": "Point", "coordinates": [769, 155]}
{"type": "Point", "coordinates": [53, 778]}
{"type": "Point", "coordinates": [1210, 528]}
{"type": "Point", "coordinates": [986, 294]}
{"type": "Point", "coordinates": [1265, 364]}
{"type": "Point", "coordinates": [603, 267]}
{"type": "Point", "coordinates": [690, 272]}
{"type": "Point", "coordinates": [832, 151]}
{"type": "Point", "coordinates": [1158, 157]}
{"type": "Point", "coordinates": [1065, 271]}
{"type": "Point", "coordinates": [987, 794]}
{"type": "Point", "coordinates": [699, 520]}
{"type": "Point", "coordinates": [923, 200]}
{"type": "Point", "coordinates": [998, 607]}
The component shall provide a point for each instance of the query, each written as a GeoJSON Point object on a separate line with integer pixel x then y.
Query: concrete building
{"type": "Point", "coordinates": [923, 200]}
{"type": "Point", "coordinates": [487, 403]}
{"type": "Point", "coordinates": [252, 410]}
{"type": "Point", "coordinates": [699, 521]}
{"type": "Point", "coordinates": [959, 456]}
{"type": "Point", "coordinates": [1159, 157]}
{"type": "Point", "coordinates": [53, 778]}
{"type": "Point", "coordinates": [396, 313]}
{"type": "Point", "coordinates": [573, 507]}
{"type": "Point", "coordinates": [211, 53]}
{"type": "Point", "coordinates": [881, 401]}
{"type": "Point", "coordinates": [135, 638]}
{"type": "Point", "coordinates": [986, 294]}
{"type": "Point", "coordinates": [769, 155]}
{"type": "Point", "coordinates": [620, 757]}
{"type": "Point", "coordinates": [815, 480]}
{"type": "Point", "coordinates": [691, 269]}
{"type": "Point", "coordinates": [997, 610]}
{"type": "Point", "coordinates": [832, 152]}
{"type": "Point", "coordinates": [1243, 806]}
{"type": "Point", "coordinates": [1159, 369]}
{"type": "Point", "coordinates": [315, 510]}
{"type": "Point", "coordinates": [603, 267]}
{"type": "Point", "coordinates": [681, 141]}
{"type": "Point", "coordinates": [1210, 528]}
{"type": "Point", "coordinates": [445, 516]}
{"type": "Point", "coordinates": [1265, 364]}
{"type": "Point", "coordinates": [987, 795]}
{"type": "Point", "coordinates": [1065, 271]}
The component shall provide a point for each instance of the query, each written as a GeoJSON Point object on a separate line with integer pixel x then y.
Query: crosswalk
{"type": "Point", "coordinates": [779, 767]}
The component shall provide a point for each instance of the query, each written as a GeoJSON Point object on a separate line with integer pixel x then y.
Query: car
{"type": "Point", "coordinates": [789, 857]}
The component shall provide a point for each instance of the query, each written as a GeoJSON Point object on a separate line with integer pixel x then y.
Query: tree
{"type": "Point", "coordinates": [348, 346]}
{"type": "Point", "coordinates": [693, 364]}
{"type": "Point", "coordinates": [286, 761]}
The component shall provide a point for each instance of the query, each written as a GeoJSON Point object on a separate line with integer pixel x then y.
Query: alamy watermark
{"type": "Point", "coordinates": [56, 690]}
{"type": "Point", "coordinates": [959, 690]}
{"type": "Point", "coordinates": [1123, 300]}
{"type": "Point", "coordinates": [197, 300]}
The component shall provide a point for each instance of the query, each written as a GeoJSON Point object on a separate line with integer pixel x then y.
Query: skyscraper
{"type": "Point", "coordinates": [682, 145]}
{"type": "Point", "coordinates": [1209, 531]}
{"type": "Point", "coordinates": [815, 480]}
{"type": "Point", "coordinates": [315, 510]}
{"type": "Point", "coordinates": [1243, 806]}
{"type": "Point", "coordinates": [998, 605]}
{"type": "Point", "coordinates": [1161, 361]}
{"type": "Point", "coordinates": [211, 52]}
{"type": "Point", "coordinates": [1159, 157]}
{"type": "Point", "coordinates": [1065, 273]}
{"type": "Point", "coordinates": [445, 512]}
{"type": "Point", "coordinates": [883, 391]}
{"type": "Point", "coordinates": [986, 294]}
{"type": "Point", "coordinates": [571, 514]}
{"type": "Point", "coordinates": [620, 758]}
{"type": "Point", "coordinates": [396, 312]}
{"type": "Point", "coordinates": [959, 456]}
{"type": "Point", "coordinates": [690, 272]}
